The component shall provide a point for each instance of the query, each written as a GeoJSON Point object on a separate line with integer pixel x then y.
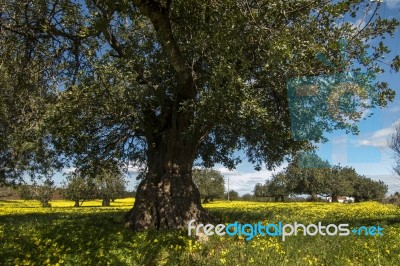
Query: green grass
{"type": "Point", "coordinates": [94, 235]}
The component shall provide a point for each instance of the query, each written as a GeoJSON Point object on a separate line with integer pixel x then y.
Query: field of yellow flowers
{"type": "Point", "coordinates": [94, 235]}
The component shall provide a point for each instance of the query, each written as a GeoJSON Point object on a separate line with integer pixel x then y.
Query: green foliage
{"type": "Point", "coordinates": [45, 192]}
{"type": "Point", "coordinates": [278, 187]}
{"type": "Point", "coordinates": [25, 192]}
{"type": "Point", "coordinates": [110, 185]}
{"type": "Point", "coordinates": [310, 159]}
{"type": "Point", "coordinates": [7, 191]}
{"type": "Point", "coordinates": [394, 144]}
{"type": "Point", "coordinates": [300, 177]}
{"type": "Point", "coordinates": [40, 192]}
{"type": "Point", "coordinates": [233, 195]}
{"type": "Point", "coordinates": [79, 188]}
{"type": "Point", "coordinates": [368, 189]}
{"type": "Point", "coordinates": [393, 199]}
{"type": "Point", "coordinates": [210, 183]}
{"type": "Point", "coordinates": [110, 78]}
{"type": "Point", "coordinates": [169, 83]}
{"type": "Point", "coordinates": [307, 175]}
{"type": "Point", "coordinates": [247, 197]}
{"type": "Point", "coordinates": [338, 182]}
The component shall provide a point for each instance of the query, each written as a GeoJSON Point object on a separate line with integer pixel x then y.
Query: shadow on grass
{"type": "Point", "coordinates": [248, 216]}
{"type": "Point", "coordinates": [90, 239]}
{"type": "Point", "coordinates": [99, 238]}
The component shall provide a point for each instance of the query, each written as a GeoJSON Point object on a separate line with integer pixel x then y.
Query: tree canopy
{"type": "Point", "coordinates": [168, 83]}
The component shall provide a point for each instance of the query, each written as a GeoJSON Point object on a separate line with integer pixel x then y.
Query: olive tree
{"type": "Point", "coordinates": [166, 83]}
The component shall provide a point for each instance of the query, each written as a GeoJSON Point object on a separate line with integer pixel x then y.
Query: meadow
{"type": "Point", "coordinates": [94, 235]}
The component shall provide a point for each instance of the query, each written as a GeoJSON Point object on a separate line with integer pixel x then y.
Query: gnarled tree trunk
{"type": "Point", "coordinates": [314, 197]}
{"type": "Point", "coordinates": [335, 198]}
{"type": "Point", "coordinates": [105, 202]}
{"type": "Point", "coordinates": [167, 198]}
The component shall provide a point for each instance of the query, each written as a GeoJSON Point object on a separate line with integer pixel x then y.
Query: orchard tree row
{"type": "Point", "coordinates": [308, 174]}
{"type": "Point", "coordinates": [107, 186]}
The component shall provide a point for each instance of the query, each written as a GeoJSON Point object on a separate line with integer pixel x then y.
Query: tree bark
{"type": "Point", "coordinates": [206, 199]}
{"type": "Point", "coordinates": [335, 198]}
{"type": "Point", "coordinates": [76, 203]}
{"type": "Point", "coordinates": [166, 201]}
{"type": "Point", "coordinates": [167, 198]}
{"type": "Point", "coordinates": [105, 202]}
{"type": "Point", "coordinates": [314, 197]}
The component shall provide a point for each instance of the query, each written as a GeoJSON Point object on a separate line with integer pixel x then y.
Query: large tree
{"type": "Point", "coordinates": [307, 174]}
{"type": "Point", "coordinates": [110, 185]}
{"type": "Point", "coordinates": [166, 83]}
{"type": "Point", "coordinates": [278, 187]}
{"type": "Point", "coordinates": [78, 188]}
{"type": "Point", "coordinates": [365, 188]}
{"type": "Point", "coordinates": [338, 181]}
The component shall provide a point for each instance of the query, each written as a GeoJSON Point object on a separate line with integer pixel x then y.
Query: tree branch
{"type": "Point", "coordinates": [159, 16]}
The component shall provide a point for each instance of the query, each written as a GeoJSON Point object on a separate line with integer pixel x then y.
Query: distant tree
{"type": "Point", "coordinates": [307, 174]}
{"type": "Point", "coordinates": [210, 183]}
{"type": "Point", "coordinates": [368, 189]}
{"type": "Point", "coordinates": [110, 185]}
{"type": "Point", "coordinates": [278, 187]}
{"type": "Point", "coordinates": [25, 192]}
{"type": "Point", "coordinates": [338, 182]}
{"type": "Point", "coordinates": [41, 192]}
{"type": "Point", "coordinates": [247, 196]}
{"type": "Point", "coordinates": [45, 192]}
{"type": "Point", "coordinates": [6, 191]}
{"type": "Point", "coordinates": [130, 194]}
{"type": "Point", "coordinates": [260, 190]}
{"type": "Point", "coordinates": [78, 188]}
{"type": "Point", "coordinates": [233, 195]}
{"type": "Point", "coordinates": [394, 144]}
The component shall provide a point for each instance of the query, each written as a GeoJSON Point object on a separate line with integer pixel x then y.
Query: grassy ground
{"type": "Point", "coordinates": [94, 235]}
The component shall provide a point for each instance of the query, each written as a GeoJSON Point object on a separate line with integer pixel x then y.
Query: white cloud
{"type": "Point", "coordinates": [244, 182]}
{"type": "Point", "coordinates": [68, 170]}
{"type": "Point", "coordinates": [360, 24]}
{"type": "Point", "coordinates": [339, 140]}
{"type": "Point", "coordinates": [379, 138]}
{"type": "Point", "coordinates": [133, 169]}
{"type": "Point", "coordinates": [226, 171]}
{"type": "Point", "coordinates": [394, 109]}
{"type": "Point", "coordinates": [393, 4]}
